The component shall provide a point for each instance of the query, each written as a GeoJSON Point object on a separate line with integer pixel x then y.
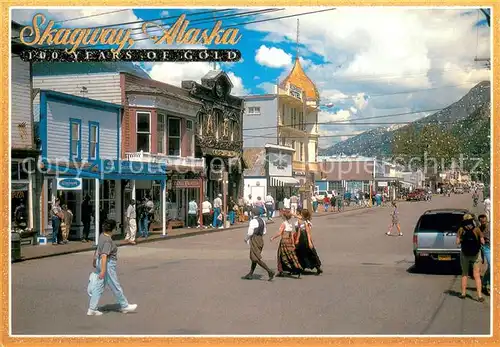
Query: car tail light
{"type": "Point", "coordinates": [415, 239]}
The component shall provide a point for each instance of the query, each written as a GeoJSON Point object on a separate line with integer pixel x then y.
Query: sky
{"type": "Point", "coordinates": [365, 61]}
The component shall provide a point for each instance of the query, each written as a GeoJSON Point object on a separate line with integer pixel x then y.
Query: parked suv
{"type": "Point", "coordinates": [435, 236]}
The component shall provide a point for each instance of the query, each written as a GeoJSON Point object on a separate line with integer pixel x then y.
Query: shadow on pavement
{"type": "Point", "coordinates": [434, 270]}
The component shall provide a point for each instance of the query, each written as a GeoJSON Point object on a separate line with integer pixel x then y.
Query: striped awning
{"type": "Point", "coordinates": [284, 181]}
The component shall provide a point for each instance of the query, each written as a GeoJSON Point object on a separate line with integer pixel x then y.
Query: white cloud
{"type": "Point", "coordinates": [175, 73]}
{"type": "Point", "coordinates": [353, 110]}
{"type": "Point", "coordinates": [164, 13]}
{"type": "Point", "coordinates": [272, 57]}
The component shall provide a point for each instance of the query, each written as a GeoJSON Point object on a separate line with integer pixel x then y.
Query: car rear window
{"type": "Point", "coordinates": [440, 222]}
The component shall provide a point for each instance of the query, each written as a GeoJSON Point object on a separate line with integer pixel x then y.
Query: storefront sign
{"type": "Point", "coordinates": [220, 153]}
{"type": "Point", "coordinates": [280, 164]}
{"type": "Point", "coordinates": [382, 184]}
{"type": "Point", "coordinates": [186, 184]}
{"type": "Point", "coordinates": [299, 173]}
{"type": "Point", "coordinates": [69, 184]}
{"type": "Point", "coordinates": [19, 187]}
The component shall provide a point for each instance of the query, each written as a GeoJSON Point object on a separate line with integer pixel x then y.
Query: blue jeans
{"type": "Point", "coordinates": [143, 227]}
{"type": "Point", "coordinates": [315, 206]}
{"type": "Point", "coordinates": [270, 211]}
{"type": "Point", "coordinates": [56, 224]}
{"type": "Point", "coordinates": [216, 223]}
{"type": "Point", "coordinates": [487, 255]}
{"type": "Point", "coordinates": [111, 280]}
{"type": "Point", "coordinates": [327, 206]}
{"type": "Point", "coordinates": [231, 217]}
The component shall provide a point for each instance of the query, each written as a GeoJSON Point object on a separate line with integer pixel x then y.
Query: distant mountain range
{"type": "Point", "coordinates": [378, 142]}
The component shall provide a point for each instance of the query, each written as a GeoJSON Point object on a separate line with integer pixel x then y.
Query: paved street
{"type": "Point", "coordinates": [193, 286]}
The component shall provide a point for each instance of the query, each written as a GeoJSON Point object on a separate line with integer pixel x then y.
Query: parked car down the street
{"type": "Point", "coordinates": [434, 237]}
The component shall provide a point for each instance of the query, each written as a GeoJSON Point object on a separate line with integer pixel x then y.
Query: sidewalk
{"type": "Point", "coordinates": [29, 252]}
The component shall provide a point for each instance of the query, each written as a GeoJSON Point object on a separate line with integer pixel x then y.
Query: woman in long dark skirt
{"type": "Point", "coordinates": [287, 258]}
{"type": "Point", "coordinates": [306, 252]}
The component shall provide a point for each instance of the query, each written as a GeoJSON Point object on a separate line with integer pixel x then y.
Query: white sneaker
{"type": "Point", "coordinates": [221, 227]}
{"type": "Point", "coordinates": [129, 308]}
{"type": "Point", "coordinates": [93, 312]}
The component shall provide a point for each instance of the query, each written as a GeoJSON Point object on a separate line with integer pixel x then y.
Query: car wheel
{"type": "Point", "coordinates": [419, 263]}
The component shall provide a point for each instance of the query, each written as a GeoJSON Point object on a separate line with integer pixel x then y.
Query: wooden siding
{"type": "Point", "coordinates": [21, 114]}
{"type": "Point", "coordinates": [58, 130]}
{"type": "Point", "coordinates": [100, 86]}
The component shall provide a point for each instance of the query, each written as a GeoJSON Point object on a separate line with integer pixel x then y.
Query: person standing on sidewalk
{"type": "Point", "coordinates": [68, 220]}
{"type": "Point", "coordinates": [192, 213]}
{"type": "Point", "coordinates": [217, 211]}
{"type": "Point", "coordinates": [142, 211]}
{"type": "Point", "coordinates": [206, 208]}
{"type": "Point", "coordinates": [269, 206]}
{"type": "Point", "coordinates": [57, 217]}
{"type": "Point", "coordinates": [105, 261]}
{"type": "Point", "coordinates": [314, 199]}
{"type": "Point", "coordinates": [256, 230]}
{"type": "Point", "coordinates": [86, 218]}
{"type": "Point", "coordinates": [470, 238]}
{"type": "Point", "coordinates": [294, 203]}
{"type": "Point", "coordinates": [131, 223]}
{"type": "Point", "coordinates": [486, 250]}
{"type": "Point", "coordinates": [150, 208]}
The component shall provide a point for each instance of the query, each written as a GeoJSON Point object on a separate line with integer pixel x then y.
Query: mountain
{"type": "Point", "coordinates": [378, 142]}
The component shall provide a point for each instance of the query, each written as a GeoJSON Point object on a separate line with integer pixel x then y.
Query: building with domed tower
{"type": "Point", "coordinates": [283, 128]}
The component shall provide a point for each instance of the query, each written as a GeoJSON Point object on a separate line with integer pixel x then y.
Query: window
{"type": "Point", "coordinates": [143, 131]}
{"type": "Point", "coordinates": [301, 152]}
{"type": "Point", "coordinates": [254, 111]}
{"type": "Point", "coordinates": [189, 125]}
{"type": "Point", "coordinates": [160, 134]}
{"type": "Point", "coordinates": [294, 117]}
{"type": "Point", "coordinates": [75, 139]}
{"type": "Point", "coordinates": [199, 125]}
{"type": "Point", "coordinates": [294, 153]}
{"type": "Point", "coordinates": [283, 115]}
{"type": "Point", "coordinates": [93, 140]}
{"type": "Point", "coordinates": [174, 136]}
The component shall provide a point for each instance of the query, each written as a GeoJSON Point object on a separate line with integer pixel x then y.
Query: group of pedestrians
{"type": "Point", "coordinates": [62, 219]}
{"type": "Point", "coordinates": [296, 250]}
{"type": "Point", "coordinates": [139, 215]}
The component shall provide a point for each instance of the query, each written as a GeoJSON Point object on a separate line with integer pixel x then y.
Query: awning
{"type": "Point", "coordinates": [284, 181]}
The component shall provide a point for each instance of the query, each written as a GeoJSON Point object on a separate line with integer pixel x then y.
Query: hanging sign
{"type": "Point", "coordinates": [69, 184]}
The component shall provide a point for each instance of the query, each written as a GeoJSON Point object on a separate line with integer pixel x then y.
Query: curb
{"type": "Point", "coordinates": [161, 238]}
{"type": "Point", "coordinates": [173, 237]}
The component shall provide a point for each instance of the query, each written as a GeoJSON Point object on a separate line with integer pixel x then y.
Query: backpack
{"type": "Point", "coordinates": [470, 243]}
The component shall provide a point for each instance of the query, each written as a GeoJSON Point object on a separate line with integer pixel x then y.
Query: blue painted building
{"type": "Point", "coordinates": [80, 142]}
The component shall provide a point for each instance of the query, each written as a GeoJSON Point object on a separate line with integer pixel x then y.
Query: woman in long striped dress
{"type": "Point", "coordinates": [287, 258]}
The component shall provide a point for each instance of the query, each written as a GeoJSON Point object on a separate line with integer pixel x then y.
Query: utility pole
{"type": "Point", "coordinates": [306, 145]}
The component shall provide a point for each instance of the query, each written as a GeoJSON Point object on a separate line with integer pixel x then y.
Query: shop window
{"type": "Point", "coordinates": [75, 139]}
{"type": "Point", "coordinates": [93, 140]}
{"type": "Point", "coordinates": [160, 135]}
{"type": "Point", "coordinates": [174, 136]}
{"type": "Point", "coordinates": [143, 131]}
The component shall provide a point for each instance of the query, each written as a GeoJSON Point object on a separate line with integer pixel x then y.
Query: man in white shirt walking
{"type": "Point", "coordinates": [217, 223]}
{"type": "Point", "coordinates": [255, 238]}
{"type": "Point", "coordinates": [294, 203]}
{"type": "Point", "coordinates": [131, 223]}
{"type": "Point", "coordinates": [269, 201]}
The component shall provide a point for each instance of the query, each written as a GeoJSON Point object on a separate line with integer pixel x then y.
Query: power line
{"type": "Point", "coordinates": [146, 20]}
{"type": "Point", "coordinates": [344, 121]}
{"type": "Point", "coordinates": [259, 21]}
{"type": "Point", "coordinates": [90, 16]}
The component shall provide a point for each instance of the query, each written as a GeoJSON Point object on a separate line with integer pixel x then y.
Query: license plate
{"type": "Point", "coordinates": [444, 257]}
